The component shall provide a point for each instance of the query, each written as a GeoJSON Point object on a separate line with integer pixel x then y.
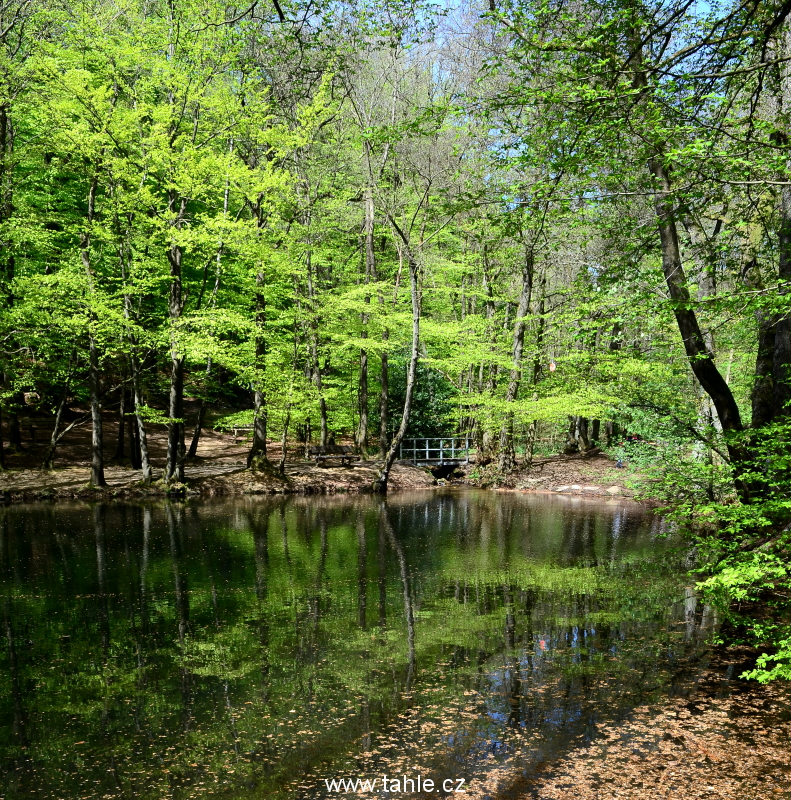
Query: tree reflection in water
{"type": "Point", "coordinates": [253, 648]}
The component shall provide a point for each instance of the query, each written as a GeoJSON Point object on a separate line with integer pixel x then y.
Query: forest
{"type": "Point", "coordinates": [539, 224]}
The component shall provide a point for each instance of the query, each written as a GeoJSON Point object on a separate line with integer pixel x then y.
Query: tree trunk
{"type": "Point", "coordinates": [380, 484]}
{"type": "Point", "coordinates": [781, 368]}
{"type": "Point", "coordinates": [193, 451]}
{"type": "Point", "coordinates": [257, 458]}
{"type": "Point", "coordinates": [762, 396]}
{"type": "Point", "coordinates": [134, 442]}
{"type": "Point", "coordinates": [314, 354]}
{"type": "Point", "coordinates": [532, 430]}
{"type": "Point", "coordinates": [140, 457]}
{"type": "Point", "coordinates": [384, 441]}
{"type": "Point", "coordinates": [97, 456]}
{"type": "Point", "coordinates": [119, 447]}
{"type": "Point", "coordinates": [281, 467]}
{"type": "Point", "coordinates": [583, 441]}
{"type": "Point", "coordinates": [507, 456]}
{"type": "Point", "coordinates": [2, 449]}
{"type": "Point", "coordinates": [175, 464]}
{"type": "Point", "coordinates": [53, 442]}
{"type": "Point", "coordinates": [141, 438]}
{"type": "Point", "coordinates": [361, 437]}
{"type": "Point", "coordinates": [97, 443]}
{"type": "Point", "coordinates": [700, 359]}
{"type": "Point", "coordinates": [176, 450]}
{"type": "Point", "coordinates": [361, 434]}
{"type": "Point", "coordinates": [572, 444]}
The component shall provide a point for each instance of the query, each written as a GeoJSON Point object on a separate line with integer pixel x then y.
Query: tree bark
{"type": "Point", "coordinates": [53, 442]}
{"type": "Point", "coordinates": [314, 354]}
{"type": "Point", "coordinates": [762, 396]}
{"type": "Point", "coordinates": [134, 441]}
{"type": "Point", "coordinates": [384, 441]}
{"type": "Point", "coordinates": [257, 458]}
{"type": "Point", "coordinates": [701, 360]}
{"type": "Point", "coordinates": [507, 456]}
{"type": "Point", "coordinates": [361, 437]}
{"type": "Point", "coordinates": [193, 449]}
{"type": "Point", "coordinates": [141, 439]}
{"type": "Point", "coordinates": [176, 450]}
{"type": "Point", "coordinates": [97, 455]}
{"type": "Point", "coordinates": [140, 460]}
{"type": "Point", "coordinates": [119, 447]}
{"type": "Point", "coordinates": [281, 467]}
{"type": "Point", "coordinates": [781, 367]}
{"type": "Point", "coordinates": [380, 484]}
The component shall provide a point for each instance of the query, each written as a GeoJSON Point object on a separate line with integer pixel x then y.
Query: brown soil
{"type": "Point", "coordinates": [218, 469]}
{"type": "Point", "coordinates": [593, 475]}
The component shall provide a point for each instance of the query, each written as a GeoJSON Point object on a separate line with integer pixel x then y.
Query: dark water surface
{"type": "Point", "coordinates": [257, 648]}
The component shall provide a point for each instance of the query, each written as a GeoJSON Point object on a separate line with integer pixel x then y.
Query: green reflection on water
{"type": "Point", "coordinates": [254, 648]}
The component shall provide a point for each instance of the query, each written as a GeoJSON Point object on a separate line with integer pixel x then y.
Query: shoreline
{"type": "Point", "coordinates": [593, 477]}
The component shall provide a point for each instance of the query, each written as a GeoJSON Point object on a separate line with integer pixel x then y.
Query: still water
{"type": "Point", "coordinates": [261, 648]}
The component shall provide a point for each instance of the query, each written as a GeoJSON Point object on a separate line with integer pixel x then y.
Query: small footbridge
{"type": "Point", "coordinates": [442, 451]}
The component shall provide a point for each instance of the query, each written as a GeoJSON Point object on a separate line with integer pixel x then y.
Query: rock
{"type": "Point", "coordinates": [591, 488]}
{"type": "Point", "coordinates": [563, 488]}
{"type": "Point", "coordinates": [576, 487]}
{"type": "Point", "coordinates": [614, 490]}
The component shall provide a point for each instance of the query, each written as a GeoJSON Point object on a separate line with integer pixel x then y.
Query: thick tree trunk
{"type": "Point", "coordinates": [700, 359]}
{"type": "Point", "coordinates": [781, 367]}
{"type": "Point", "coordinates": [763, 392]}
{"type": "Point", "coordinates": [257, 458]}
{"type": "Point", "coordinates": [583, 439]}
{"type": "Point", "coordinates": [380, 484]}
{"type": "Point", "coordinates": [507, 458]}
{"type": "Point", "coordinates": [572, 444]}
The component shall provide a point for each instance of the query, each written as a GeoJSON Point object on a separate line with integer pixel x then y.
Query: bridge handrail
{"type": "Point", "coordinates": [446, 450]}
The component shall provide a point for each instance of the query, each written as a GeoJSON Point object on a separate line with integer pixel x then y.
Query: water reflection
{"type": "Point", "coordinates": [255, 648]}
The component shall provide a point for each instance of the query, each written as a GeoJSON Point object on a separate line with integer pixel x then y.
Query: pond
{"type": "Point", "coordinates": [267, 648]}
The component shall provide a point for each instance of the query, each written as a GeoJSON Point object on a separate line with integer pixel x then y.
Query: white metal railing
{"type": "Point", "coordinates": [436, 450]}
